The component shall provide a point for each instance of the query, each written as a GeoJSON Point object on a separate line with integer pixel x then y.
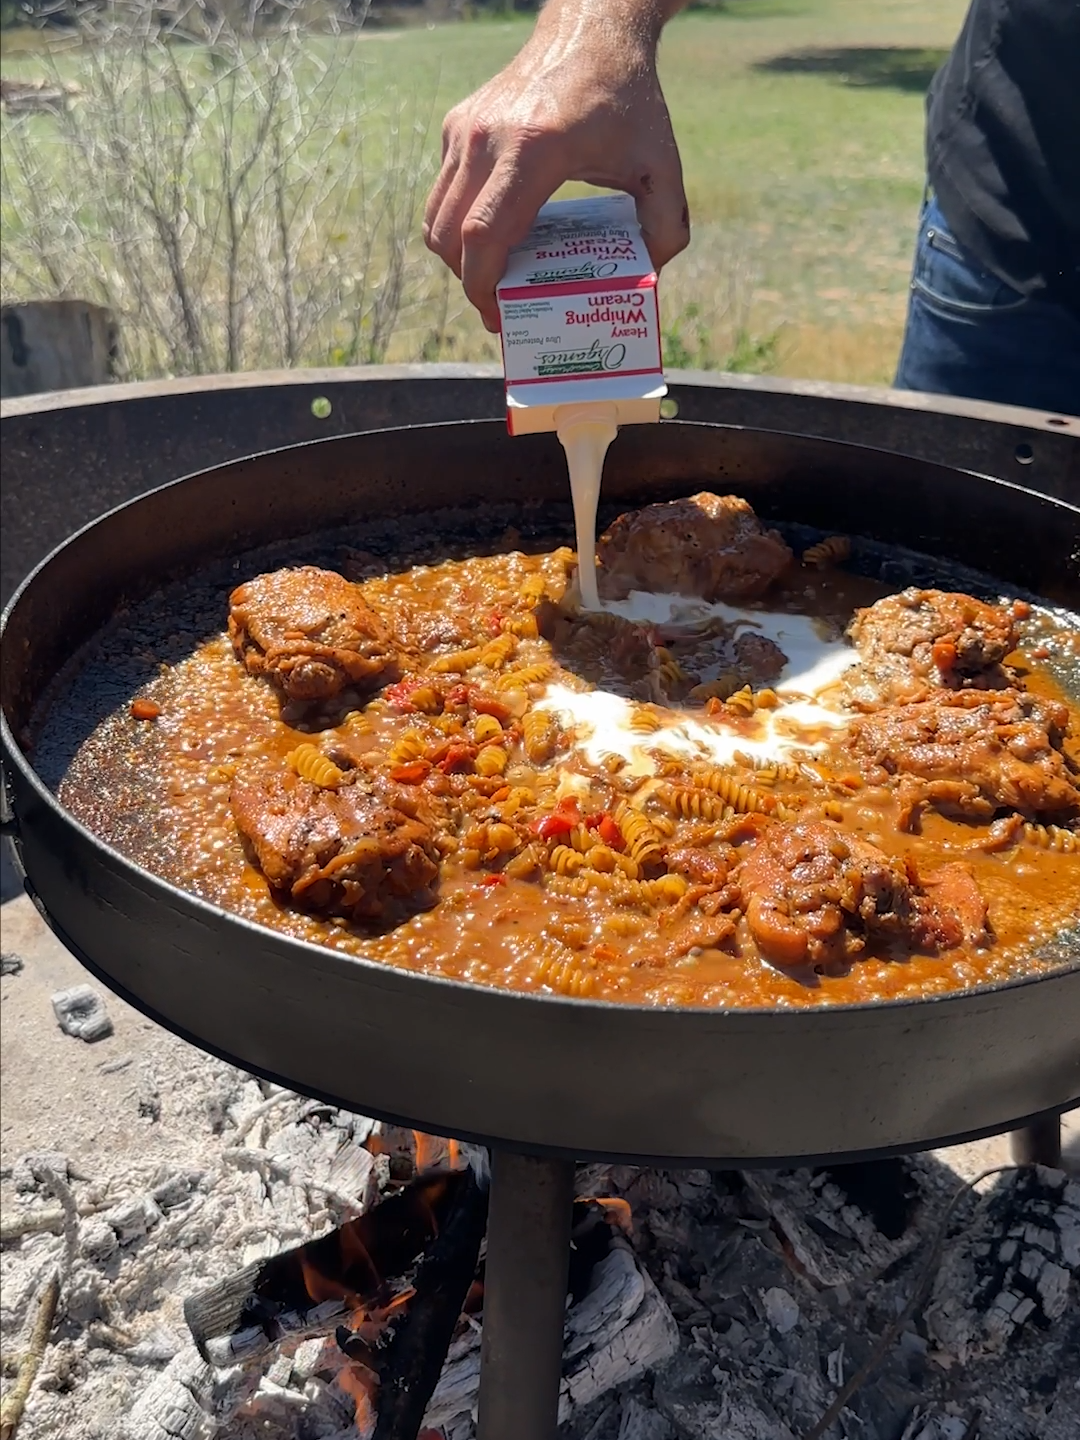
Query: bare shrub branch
{"type": "Point", "coordinates": [225, 186]}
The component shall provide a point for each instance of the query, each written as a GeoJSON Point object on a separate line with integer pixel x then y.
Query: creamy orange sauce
{"type": "Point", "coordinates": [159, 791]}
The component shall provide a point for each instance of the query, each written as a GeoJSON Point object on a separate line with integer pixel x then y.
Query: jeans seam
{"type": "Point", "coordinates": [966, 307]}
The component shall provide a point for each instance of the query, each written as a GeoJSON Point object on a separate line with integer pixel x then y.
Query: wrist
{"type": "Point", "coordinates": [622, 23]}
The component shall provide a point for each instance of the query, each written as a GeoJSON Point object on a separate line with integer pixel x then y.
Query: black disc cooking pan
{"type": "Point", "coordinates": [572, 1077]}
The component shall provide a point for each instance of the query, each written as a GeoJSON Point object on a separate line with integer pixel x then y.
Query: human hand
{"type": "Point", "coordinates": [581, 101]}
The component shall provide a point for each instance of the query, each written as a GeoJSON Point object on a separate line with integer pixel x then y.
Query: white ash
{"type": "Point", "coordinates": [771, 1289]}
{"type": "Point", "coordinates": [80, 1011]}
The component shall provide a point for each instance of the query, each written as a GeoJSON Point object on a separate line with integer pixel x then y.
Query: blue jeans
{"type": "Point", "coordinates": [969, 334]}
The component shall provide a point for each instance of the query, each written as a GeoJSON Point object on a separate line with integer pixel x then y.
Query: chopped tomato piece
{"type": "Point", "coordinates": [569, 806]}
{"type": "Point", "coordinates": [412, 773]}
{"type": "Point", "coordinates": [145, 709]}
{"type": "Point", "coordinates": [457, 697]}
{"type": "Point", "coordinates": [485, 704]}
{"type": "Point", "coordinates": [604, 952]}
{"type": "Point", "coordinates": [610, 833]}
{"type": "Point", "coordinates": [457, 757]}
{"type": "Point", "coordinates": [944, 654]}
{"type": "Point", "coordinates": [397, 696]}
{"type": "Point", "coordinates": [552, 825]}
{"type": "Point", "coordinates": [493, 623]}
{"type": "Point", "coordinates": [493, 880]}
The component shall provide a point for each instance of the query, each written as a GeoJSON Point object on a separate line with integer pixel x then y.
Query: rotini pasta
{"type": "Point", "coordinates": [409, 746]}
{"type": "Point", "coordinates": [1052, 837]}
{"type": "Point", "coordinates": [643, 841]}
{"type": "Point", "coordinates": [832, 551]}
{"type": "Point", "coordinates": [538, 735]}
{"type": "Point", "coordinates": [560, 969]}
{"type": "Point", "coordinates": [486, 727]}
{"type": "Point", "coordinates": [647, 894]}
{"type": "Point", "coordinates": [565, 860]}
{"type": "Point", "coordinates": [524, 676]}
{"type": "Point", "coordinates": [496, 654]}
{"type": "Point", "coordinates": [693, 804]}
{"type": "Point", "coordinates": [523, 626]}
{"type": "Point", "coordinates": [459, 660]}
{"type": "Point", "coordinates": [312, 765]}
{"type": "Point", "coordinates": [531, 591]}
{"type": "Point", "coordinates": [646, 720]}
{"type": "Point", "coordinates": [490, 760]}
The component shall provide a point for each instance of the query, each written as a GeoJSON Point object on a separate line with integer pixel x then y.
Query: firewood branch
{"type": "Point", "coordinates": [14, 1402]}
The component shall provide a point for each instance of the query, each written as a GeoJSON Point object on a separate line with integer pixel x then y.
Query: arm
{"type": "Point", "coordinates": [581, 101]}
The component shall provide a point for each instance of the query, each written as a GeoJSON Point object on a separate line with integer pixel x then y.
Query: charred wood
{"type": "Point", "coordinates": [312, 1287]}
{"type": "Point", "coordinates": [417, 1343]}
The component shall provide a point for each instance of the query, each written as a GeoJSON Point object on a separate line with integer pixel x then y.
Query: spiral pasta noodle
{"type": "Point", "coordinates": [409, 746]}
{"type": "Point", "coordinates": [490, 760]}
{"type": "Point", "coordinates": [311, 764]}
{"type": "Point", "coordinates": [746, 700]}
{"type": "Point", "coordinates": [565, 860]}
{"type": "Point", "coordinates": [538, 735]}
{"type": "Point", "coordinates": [458, 660]}
{"type": "Point", "coordinates": [644, 843]}
{"type": "Point", "coordinates": [559, 969]}
{"type": "Point", "coordinates": [487, 727]}
{"type": "Point", "coordinates": [1052, 837]}
{"type": "Point", "coordinates": [649, 894]}
{"type": "Point", "coordinates": [833, 550]}
{"type": "Point", "coordinates": [495, 654]}
{"type": "Point", "coordinates": [532, 589]}
{"type": "Point", "coordinates": [524, 676]}
{"type": "Point", "coordinates": [523, 626]}
{"type": "Point", "coordinates": [646, 721]}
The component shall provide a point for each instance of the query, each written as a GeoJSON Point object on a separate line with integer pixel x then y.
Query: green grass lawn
{"type": "Point", "coordinates": [801, 129]}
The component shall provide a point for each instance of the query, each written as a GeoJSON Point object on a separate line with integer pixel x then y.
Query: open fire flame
{"type": "Point", "coordinates": [353, 1356]}
{"type": "Point", "coordinates": [366, 1324]}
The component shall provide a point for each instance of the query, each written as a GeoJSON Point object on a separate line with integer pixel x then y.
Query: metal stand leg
{"type": "Point", "coordinates": [525, 1278]}
{"type": "Point", "coordinates": [1040, 1142]}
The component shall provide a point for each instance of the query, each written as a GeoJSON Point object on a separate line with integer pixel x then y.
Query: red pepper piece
{"type": "Point", "coordinates": [412, 773]}
{"type": "Point", "coordinates": [552, 825]}
{"type": "Point", "coordinates": [944, 654]}
{"type": "Point", "coordinates": [569, 806]}
{"type": "Point", "coordinates": [610, 833]}
{"type": "Point", "coordinates": [493, 623]}
{"type": "Point", "coordinates": [457, 757]}
{"type": "Point", "coordinates": [397, 696]}
{"type": "Point", "coordinates": [457, 697]}
{"type": "Point", "coordinates": [485, 704]}
{"type": "Point", "coordinates": [493, 880]}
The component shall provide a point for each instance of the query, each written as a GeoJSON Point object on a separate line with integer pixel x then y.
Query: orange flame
{"type": "Point", "coordinates": [433, 1151]}
{"type": "Point", "coordinates": [616, 1212]}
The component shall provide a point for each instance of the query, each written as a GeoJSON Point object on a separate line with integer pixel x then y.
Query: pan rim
{"type": "Point", "coordinates": [174, 894]}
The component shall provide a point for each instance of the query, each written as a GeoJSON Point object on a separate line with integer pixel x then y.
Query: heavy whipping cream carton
{"type": "Point", "coordinates": [579, 316]}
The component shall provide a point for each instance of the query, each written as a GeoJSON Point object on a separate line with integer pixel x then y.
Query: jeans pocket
{"type": "Point", "coordinates": [948, 279]}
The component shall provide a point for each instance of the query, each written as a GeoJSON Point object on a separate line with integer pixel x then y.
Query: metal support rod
{"type": "Point", "coordinates": [1039, 1143]}
{"type": "Point", "coordinates": [525, 1278]}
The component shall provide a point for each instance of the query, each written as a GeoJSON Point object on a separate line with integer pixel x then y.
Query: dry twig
{"type": "Point", "coordinates": [14, 1402]}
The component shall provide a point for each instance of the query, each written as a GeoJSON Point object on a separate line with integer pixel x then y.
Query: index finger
{"type": "Point", "coordinates": [500, 217]}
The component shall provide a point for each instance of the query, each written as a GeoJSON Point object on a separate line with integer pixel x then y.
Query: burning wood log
{"type": "Point", "coordinates": [417, 1345]}
{"type": "Point", "coordinates": [309, 1289]}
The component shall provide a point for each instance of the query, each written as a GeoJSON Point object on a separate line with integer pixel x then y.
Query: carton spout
{"type": "Point", "coordinates": [585, 432]}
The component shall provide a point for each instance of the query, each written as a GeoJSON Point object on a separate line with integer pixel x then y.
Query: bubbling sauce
{"type": "Point", "coordinates": [589, 748]}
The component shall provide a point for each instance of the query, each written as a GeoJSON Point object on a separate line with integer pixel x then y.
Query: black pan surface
{"type": "Point", "coordinates": [557, 1076]}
